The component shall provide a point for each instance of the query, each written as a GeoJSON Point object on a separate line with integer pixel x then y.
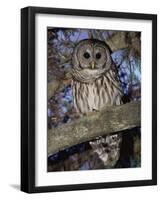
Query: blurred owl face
{"type": "Point", "coordinates": [92, 54]}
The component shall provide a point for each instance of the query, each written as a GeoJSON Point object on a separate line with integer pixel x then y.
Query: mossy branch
{"type": "Point", "coordinates": [109, 120]}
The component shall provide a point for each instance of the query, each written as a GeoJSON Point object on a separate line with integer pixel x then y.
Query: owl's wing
{"type": "Point", "coordinates": [115, 79]}
{"type": "Point", "coordinates": [112, 75]}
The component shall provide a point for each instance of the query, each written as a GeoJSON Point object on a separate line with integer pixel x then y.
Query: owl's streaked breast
{"type": "Point", "coordinates": [93, 96]}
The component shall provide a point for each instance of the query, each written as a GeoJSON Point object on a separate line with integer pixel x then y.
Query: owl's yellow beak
{"type": "Point", "coordinates": [92, 65]}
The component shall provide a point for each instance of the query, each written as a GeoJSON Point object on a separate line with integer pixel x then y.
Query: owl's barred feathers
{"type": "Point", "coordinates": [93, 96]}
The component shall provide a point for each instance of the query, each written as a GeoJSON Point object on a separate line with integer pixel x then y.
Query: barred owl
{"type": "Point", "coordinates": [95, 84]}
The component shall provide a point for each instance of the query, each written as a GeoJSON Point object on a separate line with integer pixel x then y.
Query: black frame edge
{"type": "Point", "coordinates": [24, 100]}
{"type": "Point", "coordinates": [93, 186]}
{"type": "Point", "coordinates": [154, 99]}
{"type": "Point", "coordinates": [92, 13]}
{"type": "Point", "coordinates": [27, 101]}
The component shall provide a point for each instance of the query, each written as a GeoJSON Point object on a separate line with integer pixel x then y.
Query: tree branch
{"type": "Point", "coordinates": [109, 120]}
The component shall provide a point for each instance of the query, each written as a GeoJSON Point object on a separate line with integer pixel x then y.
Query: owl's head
{"type": "Point", "coordinates": [91, 54]}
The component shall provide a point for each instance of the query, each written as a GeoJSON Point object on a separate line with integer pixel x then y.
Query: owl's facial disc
{"type": "Point", "coordinates": [92, 55]}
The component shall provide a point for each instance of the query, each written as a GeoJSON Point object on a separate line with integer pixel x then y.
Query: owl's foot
{"type": "Point", "coordinates": [95, 110]}
{"type": "Point", "coordinates": [91, 112]}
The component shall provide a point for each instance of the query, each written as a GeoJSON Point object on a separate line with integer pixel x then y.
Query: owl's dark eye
{"type": "Point", "coordinates": [98, 55]}
{"type": "Point", "coordinates": [86, 55]}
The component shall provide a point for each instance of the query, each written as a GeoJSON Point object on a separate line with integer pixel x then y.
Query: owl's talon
{"type": "Point", "coordinates": [95, 110]}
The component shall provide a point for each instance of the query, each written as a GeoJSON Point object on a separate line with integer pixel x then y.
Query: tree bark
{"type": "Point", "coordinates": [109, 120]}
